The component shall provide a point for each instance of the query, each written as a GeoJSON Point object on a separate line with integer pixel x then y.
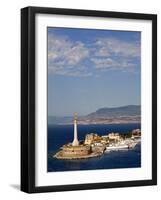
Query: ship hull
{"type": "Point", "coordinates": [120, 147]}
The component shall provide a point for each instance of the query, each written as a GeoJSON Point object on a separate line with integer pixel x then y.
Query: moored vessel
{"type": "Point", "coordinates": [120, 146]}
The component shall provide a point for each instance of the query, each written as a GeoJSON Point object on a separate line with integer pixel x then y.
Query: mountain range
{"type": "Point", "coordinates": [130, 110]}
{"type": "Point", "coordinates": [123, 114]}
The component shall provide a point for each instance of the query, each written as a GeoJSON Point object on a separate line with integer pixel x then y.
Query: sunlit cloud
{"type": "Point", "coordinates": [68, 57]}
{"type": "Point", "coordinates": [113, 46]}
{"type": "Point", "coordinates": [65, 56]}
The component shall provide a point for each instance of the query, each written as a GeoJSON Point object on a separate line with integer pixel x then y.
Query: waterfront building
{"type": "Point", "coordinates": [114, 136]}
{"type": "Point", "coordinates": [136, 133]}
{"type": "Point", "coordinates": [91, 138]}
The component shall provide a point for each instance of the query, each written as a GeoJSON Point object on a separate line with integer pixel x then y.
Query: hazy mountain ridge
{"type": "Point", "coordinates": [130, 110]}
{"type": "Point", "coordinates": [123, 114]}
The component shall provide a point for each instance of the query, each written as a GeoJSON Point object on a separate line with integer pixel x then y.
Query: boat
{"type": "Point", "coordinates": [120, 146]}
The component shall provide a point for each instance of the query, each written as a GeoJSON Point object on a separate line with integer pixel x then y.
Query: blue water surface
{"type": "Point", "coordinates": [59, 135]}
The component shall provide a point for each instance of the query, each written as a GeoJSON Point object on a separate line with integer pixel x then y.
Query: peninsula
{"type": "Point", "coordinates": [112, 115]}
{"type": "Point", "coordinates": [95, 145]}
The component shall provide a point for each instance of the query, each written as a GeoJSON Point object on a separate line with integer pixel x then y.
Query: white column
{"type": "Point", "coordinates": [75, 141]}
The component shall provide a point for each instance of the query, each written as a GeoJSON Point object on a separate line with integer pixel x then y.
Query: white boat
{"type": "Point", "coordinates": [116, 147]}
{"type": "Point", "coordinates": [120, 146]}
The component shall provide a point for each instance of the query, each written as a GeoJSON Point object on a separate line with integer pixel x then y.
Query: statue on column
{"type": "Point", "coordinates": [75, 141]}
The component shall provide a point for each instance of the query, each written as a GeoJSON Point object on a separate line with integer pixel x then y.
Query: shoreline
{"type": "Point", "coordinates": [59, 156]}
{"type": "Point", "coordinates": [69, 124]}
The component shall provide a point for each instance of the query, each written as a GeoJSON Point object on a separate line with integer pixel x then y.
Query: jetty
{"type": "Point", "coordinates": [95, 145]}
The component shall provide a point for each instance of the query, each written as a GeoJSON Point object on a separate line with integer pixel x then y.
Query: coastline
{"type": "Point", "coordinates": [59, 135]}
{"type": "Point", "coordinates": [116, 123]}
{"type": "Point", "coordinates": [94, 145]}
{"type": "Point", "coordinates": [59, 155]}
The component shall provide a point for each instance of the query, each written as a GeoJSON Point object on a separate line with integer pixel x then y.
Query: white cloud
{"type": "Point", "coordinates": [76, 58]}
{"type": "Point", "coordinates": [113, 46]}
{"type": "Point", "coordinates": [64, 56]}
{"type": "Point", "coordinates": [69, 72]}
{"type": "Point", "coordinates": [114, 54]}
{"type": "Point", "coordinates": [105, 64]}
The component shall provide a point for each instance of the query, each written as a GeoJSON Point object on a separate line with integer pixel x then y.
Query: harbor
{"type": "Point", "coordinates": [95, 145]}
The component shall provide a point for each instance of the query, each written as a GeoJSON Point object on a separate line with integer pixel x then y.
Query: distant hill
{"type": "Point", "coordinates": [130, 110]}
{"type": "Point", "coordinates": [123, 114]}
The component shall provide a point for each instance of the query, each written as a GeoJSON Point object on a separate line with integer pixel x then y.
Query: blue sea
{"type": "Point", "coordinates": [59, 135]}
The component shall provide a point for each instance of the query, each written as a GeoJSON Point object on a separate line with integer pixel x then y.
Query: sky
{"type": "Point", "coordinates": [90, 69]}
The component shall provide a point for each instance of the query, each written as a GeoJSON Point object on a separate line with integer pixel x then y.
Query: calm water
{"type": "Point", "coordinates": [62, 134]}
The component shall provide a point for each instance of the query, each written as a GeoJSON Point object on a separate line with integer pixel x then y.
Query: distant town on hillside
{"type": "Point", "coordinates": [114, 115]}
